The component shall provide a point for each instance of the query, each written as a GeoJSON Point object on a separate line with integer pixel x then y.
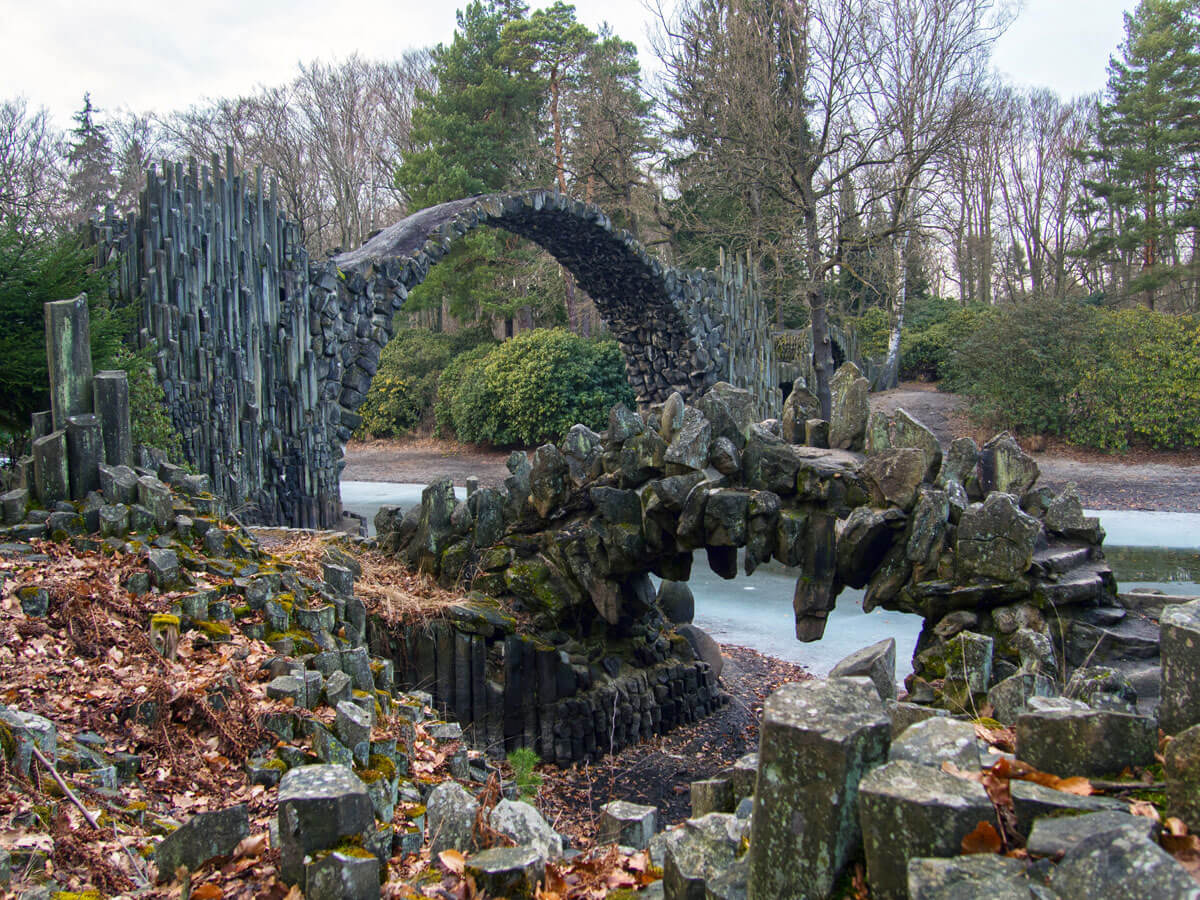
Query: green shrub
{"type": "Point", "coordinates": [873, 329]}
{"type": "Point", "coordinates": [532, 388]}
{"type": "Point", "coordinates": [404, 389]}
{"type": "Point", "coordinates": [1020, 365]}
{"type": "Point", "coordinates": [926, 345]}
{"type": "Point", "coordinates": [150, 421]}
{"type": "Point", "coordinates": [1141, 384]}
{"type": "Point", "coordinates": [523, 761]}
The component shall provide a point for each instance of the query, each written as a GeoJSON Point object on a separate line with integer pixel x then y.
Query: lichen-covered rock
{"type": "Point", "coordinates": [1120, 866]}
{"type": "Point", "coordinates": [689, 446]}
{"type": "Point", "coordinates": [512, 872]}
{"type": "Point", "coordinates": [901, 429]}
{"type": "Point", "coordinates": [1102, 687]}
{"type": "Point", "coordinates": [819, 738]}
{"type": "Point", "coordinates": [963, 877]}
{"type": "Point", "coordinates": [676, 602]}
{"type": "Point", "coordinates": [698, 851]}
{"type": "Point", "coordinates": [318, 807]}
{"type": "Point", "coordinates": [961, 465]}
{"type": "Point", "coordinates": [895, 475]}
{"type": "Point", "coordinates": [1092, 743]}
{"type": "Point", "coordinates": [927, 529]}
{"type": "Point", "coordinates": [1180, 649]}
{"type": "Point", "coordinates": [800, 406]}
{"type": "Point", "coordinates": [548, 479]}
{"type": "Point", "coordinates": [850, 408]}
{"type": "Point", "coordinates": [1010, 696]}
{"type": "Point", "coordinates": [623, 424]}
{"type": "Point", "coordinates": [203, 837]}
{"type": "Point", "coordinates": [904, 715]}
{"type": "Point", "coordinates": [877, 662]}
{"type": "Point", "coordinates": [343, 875]}
{"type": "Point", "coordinates": [450, 813]}
{"type": "Point", "coordinates": [518, 820]}
{"type": "Point", "coordinates": [996, 539]}
{"type": "Point", "coordinates": [1182, 770]}
{"type": "Point", "coordinates": [1055, 835]}
{"type": "Point", "coordinates": [909, 811]}
{"type": "Point", "coordinates": [27, 730]}
{"type": "Point", "coordinates": [627, 824]}
{"type": "Point", "coordinates": [864, 540]}
{"type": "Point", "coordinates": [938, 740]}
{"type": "Point", "coordinates": [1032, 802]}
{"type": "Point", "coordinates": [731, 411]}
{"type": "Point", "coordinates": [1005, 467]}
{"type": "Point", "coordinates": [704, 647]}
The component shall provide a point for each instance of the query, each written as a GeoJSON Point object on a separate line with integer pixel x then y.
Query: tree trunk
{"type": "Point", "coordinates": [891, 367]}
{"type": "Point", "coordinates": [822, 349]}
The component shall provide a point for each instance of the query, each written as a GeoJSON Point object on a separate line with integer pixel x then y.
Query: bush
{"type": "Point", "coordinates": [532, 388]}
{"type": "Point", "coordinates": [873, 328]}
{"type": "Point", "coordinates": [925, 346]}
{"type": "Point", "coordinates": [150, 422]}
{"type": "Point", "coordinates": [1141, 385]}
{"type": "Point", "coordinates": [404, 389]}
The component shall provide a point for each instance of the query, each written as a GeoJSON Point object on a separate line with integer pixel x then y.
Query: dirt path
{"type": "Point", "coordinates": [1153, 481]}
{"type": "Point", "coordinates": [1141, 480]}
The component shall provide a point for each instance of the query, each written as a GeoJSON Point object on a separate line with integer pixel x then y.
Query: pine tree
{"type": "Point", "coordinates": [91, 184]}
{"type": "Point", "coordinates": [1147, 147]}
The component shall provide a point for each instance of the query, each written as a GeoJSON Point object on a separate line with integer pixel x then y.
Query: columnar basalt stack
{"type": "Point", "coordinates": [265, 356]}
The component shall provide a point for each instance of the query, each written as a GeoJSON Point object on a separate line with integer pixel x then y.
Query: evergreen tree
{"type": "Point", "coordinates": [91, 184]}
{"type": "Point", "coordinates": [1147, 147]}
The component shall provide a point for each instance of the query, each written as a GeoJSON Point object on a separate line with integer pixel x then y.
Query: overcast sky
{"type": "Point", "coordinates": [151, 55]}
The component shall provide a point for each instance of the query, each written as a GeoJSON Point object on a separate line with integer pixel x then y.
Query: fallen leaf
{"type": "Point", "coordinates": [252, 845]}
{"type": "Point", "coordinates": [984, 838]}
{"type": "Point", "coordinates": [1175, 826]}
{"type": "Point", "coordinates": [207, 892]}
{"type": "Point", "coordinates": [1142, 808]}
{"type": "Point", "coordinates": [453, 861]}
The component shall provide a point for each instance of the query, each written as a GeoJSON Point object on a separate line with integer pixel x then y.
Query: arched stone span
{"type": "Point", "coordinates": [265, 356]}
{"type": "Point", "coordinates": [667, 322]}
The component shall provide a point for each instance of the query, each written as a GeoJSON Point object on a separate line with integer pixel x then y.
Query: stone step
{"type": "Point", "coordinates": [1132, 638]}
{"type": "Point", "coordinates": [1090, 582]}
{"type": "Point", "coordinates": [1061, 557]}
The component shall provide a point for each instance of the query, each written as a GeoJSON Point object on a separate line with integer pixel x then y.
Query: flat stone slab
{"type": "Point", "coordinates": [507, 871]}
{"type": "Point", "coordinates": [1120, 866]}
{"type": "Point", "coordinates": [1034, 801]}
{"type": "Point", "coordinates": [877, 662]}
{"type": "Point", "coordinates": [909, 811]}
{"type": "Point", "coordinates": [1085, 742]}
{"type": "Point", "coordinates": [627, 824]}
{"type": "Point", "coordinates": [1057, 835]}
{"type": "Point", "coordinates": [938, 740]}
{"type": "Point", "coordinates": [318, 806]}
{"type": "Point", "coordinates": [958, 878]}
{"type": "Point", "coordinates": [204, 836]}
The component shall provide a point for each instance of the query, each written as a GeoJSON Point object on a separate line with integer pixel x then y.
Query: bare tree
{"type": "Point", "coordinates": [32, 181]}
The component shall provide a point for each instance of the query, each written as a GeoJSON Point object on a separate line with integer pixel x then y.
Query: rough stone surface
{"type": "Point", "coordinates": [895, 474]}
{"type": "Point", "coordinates": [704, 647]}
{"type": "Point", "coordinates": [676, 601]}
{"type": "Point", "coordinates": [1057, 834]}
{"type": "Point", "coordinates": [1180, 648]}
{"type": "Point", "coordinates": [877, 662]}
{"type": "Point", "coordinates": [1182, 770]}
{"type": "Point", "coordinates": [318, 806]}
{"type": "Point", "coordinates": [342, 876]}
{"type": "Point", "coordinates": [818, 739]}
{"type": "Point", "coordinates": [712, 795]}
{"type": "Point", "coordinates": [450, 813]}
{"type": "Point", "coordinates": [967, 877]}
{"type": "Point", "coordinates": [850, 408]}
{"type": "Point", "coordinates": [1119, 866]}
{"type": "Point", "coordinates": [938, 740]}
{"type": "Point", "coordinates": [1034, 801]}
{"type": "Point", "coordinates": [698, 851]}
{"type": "Point", "coordinates": [996, 539]}
{"type": "Point", "coordinates": [203, 837]}
{"type": "Point", "coordinates": [525, 825]}
{"type": "Point", "coordinates": [909, 811]}
{"type": "Point", "coordinates": [507, 871]}
{"type": "Point", "coordinates": [800, 406]}
{"type": "Point", "coordinates": [627, 824]}
{"type": "Point", "coordinates": [1091, 743]}
{"type": "Point", "coordinates": [1005, 467]}
{"type": "Point", "coordinates": [1010, 696]}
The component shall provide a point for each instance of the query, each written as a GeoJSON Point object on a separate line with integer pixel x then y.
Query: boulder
{"type": "Point", "coordinates": [964, 877]}
{"type": "Point", "coordinates": [1180, 648]}
{"type": "Point", "coordinates": [904, 715]}
{"type": "Point", "coordinates": [1055, 835]}
{"type": "Point", "coordinates": [901, 429]}
{"type": "Point", "coordinates": [1010, 696]}
{"type": "Point", "coordinates": [627, 824]}
{"type": "Point", "coordinates": [548, 479]}
{"type": "Point", "coordinates": [1102, 687]}
{"type": "Point", "coordinates": [318, 807]}
{"type": "Point", "coordinates": [800, 406]}
{"type": "Point", "coordinates": [862, 544]}
{"type": "Point", "coordinates": [705, 648]}
{"type": "Point", "coordinates": [1005, 467]}
{"type": "Point", "coordinates": [204, 836]}
{"type": "Point", "coordinates": [353, 728]}
{"type": "Point", "coordinates": [1182, 770]}
{"type": "Point", "coordinates": [938, 740]}
{"type": "Point", "coordinates": [818, 738]}
{"type": "Point", "coordinates": [164, 568]}
{"type": "Point", "coordinates": [623, 424]}
{"type": "Point", "coordinates": [1118, 865]}
{"type": "Point", "coordinates": [877, 662]}
{"type": "Point", "coordinates": [450, 814]}
{"type": "Point", "coordinates": [927, 528]}
{"type": "Point", "coordinates": [672, 416]}
{"type": "Point", "coordinates": [712, 795]}
{"type": "Point", "coordinates": [1085, 742]}
{"type": "Point", "coordinates": [27, 730]}
{"type": "Point", "coordinates": [850, 408]}
{"type": "Point", "coordinates": [676, 602]}
{"type": "Point", "coordinates": [689, 446]}
{"type": "Point", "coordinates": [725, 456]}
{"type": "Point", "coordinates": [961, 465]}
{"type": "Point", "coordinates": [518, 820]}
{"type": "Point", "coordinates": [512, 872]}
{"type": "Point", "coordinates": [730, 410]}
{"type": "Point", "coordinates": [343, 875]}
{"type": "Point", "coordinates": [1033, 802]}
{"type": "Point", "coordinates": [996, 539]}
{"type": "Point", "coordinates": [699, 851]}
{"type": "Point", "coordinates": [816, 433]}
{"type": "Point", "coordinates": [894, 476]}
{"type": "Point", "coordinates": [909, 811]}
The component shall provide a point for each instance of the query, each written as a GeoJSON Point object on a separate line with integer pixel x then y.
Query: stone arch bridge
{"type": "Point", "coordinates": [265, 356]}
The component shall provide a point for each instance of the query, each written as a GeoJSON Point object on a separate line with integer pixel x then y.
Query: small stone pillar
{"type": "Point", "coordinates": [110, 392]}
{"type": "Point", "coordinates": [50, 479]}
{"type": "Point", "coordinates": [85, 452]}
{"type": "Point", "coordinates": [42, 423]}
{"type": "Point", "coordinates": [69, 356]}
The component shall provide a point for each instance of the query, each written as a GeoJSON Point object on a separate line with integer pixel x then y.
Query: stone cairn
{"type": "Point", "coordinates": [265, 356]}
